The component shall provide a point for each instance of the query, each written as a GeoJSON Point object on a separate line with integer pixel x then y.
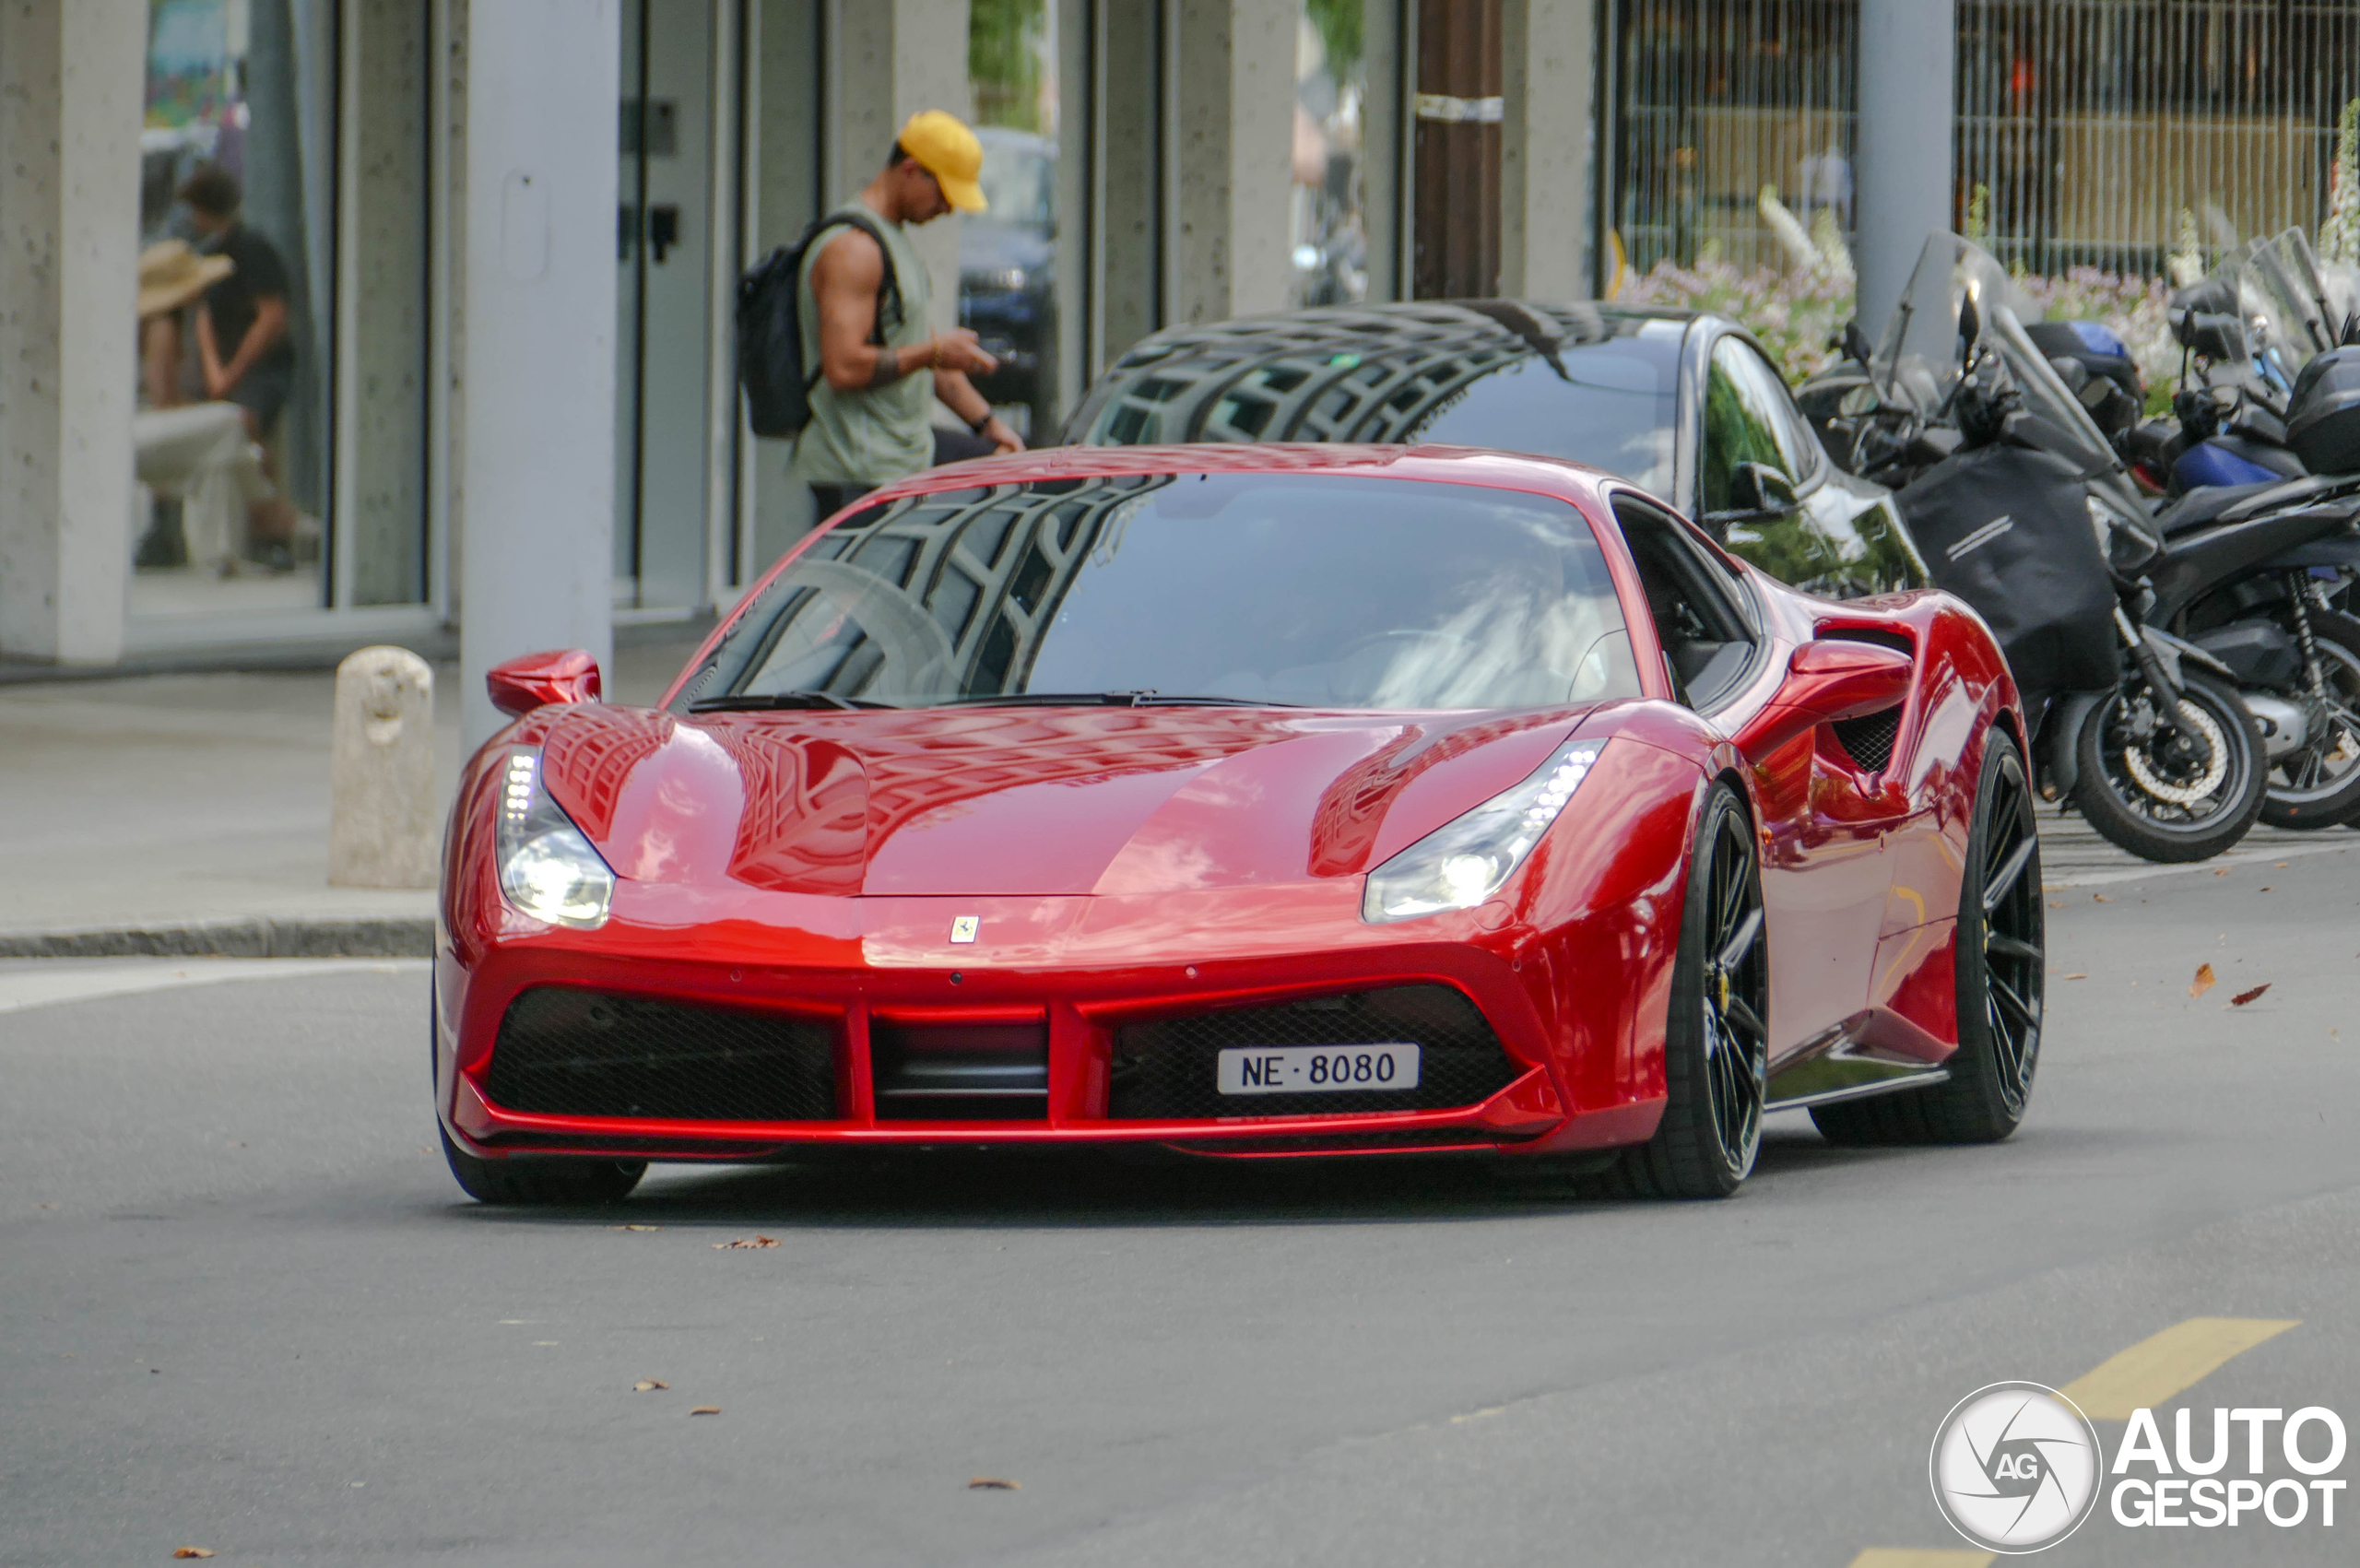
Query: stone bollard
{"type": "Point", "coordinates": [381, 830]}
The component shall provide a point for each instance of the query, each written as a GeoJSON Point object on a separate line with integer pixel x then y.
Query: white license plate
{"type": "Point", "coordinates": [1317, 1069]}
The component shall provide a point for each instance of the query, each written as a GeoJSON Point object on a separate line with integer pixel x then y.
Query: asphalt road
{"type": "Point", "coordinates": [245, 1310]}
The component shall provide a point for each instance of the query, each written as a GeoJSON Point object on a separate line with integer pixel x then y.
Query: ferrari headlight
{"type": "Point", "coordinates": [1470, 858]}
{"type": "Point", "coordinates": [547, 869]}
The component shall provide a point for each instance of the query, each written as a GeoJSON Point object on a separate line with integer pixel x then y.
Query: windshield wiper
{"type": "Point", "coordinates": [769, 701]}
{"type": "Point", "coordinates": [1144, 698]}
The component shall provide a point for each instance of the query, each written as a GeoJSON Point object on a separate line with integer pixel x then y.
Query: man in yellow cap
{"type": "Point", "coordinates": [863, 315]}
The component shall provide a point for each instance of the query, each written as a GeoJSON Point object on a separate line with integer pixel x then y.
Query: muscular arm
{"type": "Point", "coordinates": [844, 281]}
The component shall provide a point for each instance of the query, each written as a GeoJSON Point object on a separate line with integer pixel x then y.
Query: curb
{"type": "Point", "coordinates": [231, 939]}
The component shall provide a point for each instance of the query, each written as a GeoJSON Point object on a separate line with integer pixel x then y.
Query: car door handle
{"type": "Point", "coordinates": [663, 231]}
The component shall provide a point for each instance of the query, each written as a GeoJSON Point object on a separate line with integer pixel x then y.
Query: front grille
{"type": "Point", "coordinates": [1166, 1070]}
{"type": "Point", "coordinates": [965, 1072]}
{"type": "Point", "coordinates": [1867, 739]}
{"type": "Point", "coordinates": [563, 1052]}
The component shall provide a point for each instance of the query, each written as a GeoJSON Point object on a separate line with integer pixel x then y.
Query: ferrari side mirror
{"type": "Point", "coordinates": [536, 680]}
{"type": "Point", "coordinates": [1838, 677]}
{"type": "Point", "coordinates": [1759, 489]}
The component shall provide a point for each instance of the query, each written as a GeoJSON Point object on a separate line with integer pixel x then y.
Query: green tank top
{"type": "Point", "coordinates": [870, 435]}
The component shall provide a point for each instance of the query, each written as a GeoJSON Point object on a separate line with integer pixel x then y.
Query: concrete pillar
{"type": "Point", "coordinates": [1226, 236]}
{"type": "Point", "coordinates": [1118, 113]}
{"type": "Point", "coordinates": [381, 770]}
{"type": "Point", "coordinates": [892, 59]}
{"type": "Point", "coordinates": [1903, 183]}
{"type": "Point", "coordinates": [1545, 48]}
{"type": "Point", "coordinates": [71, 86]}
{"type": "Point", "coordinates": [1385, 120]}
{"type": "Point", "coordinates": [381, 376]}
{"type": "Point", "coordinates": [542, 126]}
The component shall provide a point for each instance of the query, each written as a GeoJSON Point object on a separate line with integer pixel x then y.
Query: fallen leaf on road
{"type": "Point", "coordinates": [190, 1551]}
{"type": "Point", "coordinates": [2242, 997]}
{"type": "Point", "coordinates": [2265, 889]}
{"type": "Point", "coordinates": [2279, 865]}
{"type": "Point", "coordinates": [2221, 871]}
{"type": "Point", "coordinates": [648, 1385]}
{"type": "Point", "coordinates": [991, 1484]}
{"type": "Point", "coordinates": [2101, 898]}
{"type": "Point", "coordinates": [2076, 977]}
{"type": "Point", "coordinates": [2202, 982]}
{"type": "Point", "coordinates": [634, 1227]}
{"type": "Point", "coordinates": [707, 1411]}
{"type": "Point", "coordinates": [746, 1241]}
{"type": "Point", "coordinates": [2056, 903]}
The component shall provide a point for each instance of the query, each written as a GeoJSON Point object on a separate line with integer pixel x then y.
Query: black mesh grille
{"type": "Point", "coordinates": [1867, 739]}
{"type": "Point", "coordinates": [1166, 1070]}
{"type": "Point", "coordinates": [568, 1052]}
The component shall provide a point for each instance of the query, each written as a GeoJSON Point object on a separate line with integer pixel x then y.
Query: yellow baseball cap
{"type": "Point", "coordinates": [948, 150]}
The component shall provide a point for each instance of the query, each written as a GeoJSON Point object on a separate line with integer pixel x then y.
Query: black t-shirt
{"type": "Point", "coordinates": [260, 275]}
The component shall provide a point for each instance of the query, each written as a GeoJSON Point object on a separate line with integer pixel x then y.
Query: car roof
{"type": "Point", "coordinates": [1368, 372]}
{"type": "Point", "coordinates": [1461, 465]}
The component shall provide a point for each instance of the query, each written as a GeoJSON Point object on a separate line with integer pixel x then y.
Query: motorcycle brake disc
{"type": "Point", "coordinates": [2134, 761]}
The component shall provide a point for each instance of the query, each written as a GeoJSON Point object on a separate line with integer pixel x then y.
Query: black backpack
{"type": "Point", "coordinates": [769, 329]}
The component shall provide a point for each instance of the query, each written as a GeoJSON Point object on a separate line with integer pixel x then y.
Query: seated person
{"type": "Point", "coordinates": [243, 339]}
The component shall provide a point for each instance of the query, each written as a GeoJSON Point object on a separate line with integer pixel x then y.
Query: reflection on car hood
{"type": "Point", "coordinates": [1026, 801]}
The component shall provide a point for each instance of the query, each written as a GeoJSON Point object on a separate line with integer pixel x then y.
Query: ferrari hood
{"type": "Point", "coordinates": [982, 801]}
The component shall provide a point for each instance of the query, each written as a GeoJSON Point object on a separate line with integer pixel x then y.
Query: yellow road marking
{"type": "Point", "coordinates": [2163, 1364]}
{"type": "Point", "coordinates": [1889, 1557]}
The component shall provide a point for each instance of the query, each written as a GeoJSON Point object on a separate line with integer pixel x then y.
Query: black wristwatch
{"type": "Point", "coordinates": [977, 427]}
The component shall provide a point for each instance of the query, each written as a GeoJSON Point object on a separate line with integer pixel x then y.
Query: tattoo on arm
{"type": "Point", "coordinates": [888, 369]}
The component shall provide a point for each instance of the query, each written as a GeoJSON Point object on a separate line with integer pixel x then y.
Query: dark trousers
{"type": "Point", "coordinates": [950, 447]}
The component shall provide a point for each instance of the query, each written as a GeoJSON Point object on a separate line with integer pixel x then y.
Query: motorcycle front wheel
{"type": "Point", "coordinates": [2163, 795]}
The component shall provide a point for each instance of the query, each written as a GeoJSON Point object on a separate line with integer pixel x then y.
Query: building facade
{"type": "Point", "coordinates": [506, 234]}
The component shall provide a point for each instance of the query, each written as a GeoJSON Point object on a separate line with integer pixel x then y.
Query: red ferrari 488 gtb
{"type": "Point", "coordinates": [1250, 801]}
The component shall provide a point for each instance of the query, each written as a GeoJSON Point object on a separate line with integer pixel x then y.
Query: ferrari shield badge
{"type": "Point", "coordinates": [963, 927]}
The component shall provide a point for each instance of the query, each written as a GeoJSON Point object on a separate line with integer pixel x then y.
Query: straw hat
{"type": "Point", "coordinates": [170, 274]}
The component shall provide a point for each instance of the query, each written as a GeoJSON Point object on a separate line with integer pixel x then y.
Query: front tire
{"type": "Point", "coordinates": [543, 1182]}
{"type": "Point", "coordinates": [1715, 1045]}
{"type": "Point", "coordinates": [2002, 936]}
{"type": "Point", "coordinates": [2148, 790]}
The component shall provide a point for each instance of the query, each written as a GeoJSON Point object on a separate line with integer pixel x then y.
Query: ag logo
{"type": "Point", "coordinates": [2015, 1467]}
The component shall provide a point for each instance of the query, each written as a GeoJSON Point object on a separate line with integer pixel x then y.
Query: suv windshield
{"type": "Point", "coordinates": [1282, 589]}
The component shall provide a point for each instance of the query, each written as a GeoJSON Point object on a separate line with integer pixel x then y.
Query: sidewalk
{"type": "Point", "coordinates": [188, 815]}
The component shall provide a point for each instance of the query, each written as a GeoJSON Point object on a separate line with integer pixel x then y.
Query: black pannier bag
{"type": "Point", "coordinates": [770, 330]}
{"type": "Point", "coordinates": [2008, 529]}
{"type": "Point", "coordinates": [2323, 414]}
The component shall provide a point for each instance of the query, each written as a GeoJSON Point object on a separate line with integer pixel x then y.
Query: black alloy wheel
{"type": "Point", "coordinates": [543, 1182]}
{"type": "Point", "coordinates": [2171, 794]}
{"type": "Point", "coordinates": [2001, 965]}
{"type": "Point", "coordinates": [1716, 1045]}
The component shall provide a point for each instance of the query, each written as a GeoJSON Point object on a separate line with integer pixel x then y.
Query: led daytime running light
{"type": "Point", "coordinates": [548, 869]}
{"type": "Point", "coordinates": [1470, 858]}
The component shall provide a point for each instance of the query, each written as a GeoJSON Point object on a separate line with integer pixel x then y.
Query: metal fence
{"type": "Point", "coordinates": [2085, 128]}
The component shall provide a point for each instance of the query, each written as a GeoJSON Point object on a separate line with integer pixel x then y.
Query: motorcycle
{"type": "Point", "coordinates": [2022, 507]}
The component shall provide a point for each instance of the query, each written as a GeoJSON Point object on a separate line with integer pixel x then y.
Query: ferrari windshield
{"type": "Point", "coordinates": [1264, 589]}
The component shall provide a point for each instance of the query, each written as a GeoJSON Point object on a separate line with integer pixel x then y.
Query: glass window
{"type": "Point", "coordinates": [231, 431]}
{"type": "Point", "coordinates": [1330, 91]}
{"type": "Point", "coordinates": [1008, 272]}
{"type": "Point", "coordinates": [1745, 419]}
{"type": "Point", "coordinates": [1613, 408]}
{"type": "Point", "coordinates": [1306, 590]}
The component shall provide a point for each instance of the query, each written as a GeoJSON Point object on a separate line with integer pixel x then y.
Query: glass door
{"type": "Point", "coordinates": [663, 301]}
